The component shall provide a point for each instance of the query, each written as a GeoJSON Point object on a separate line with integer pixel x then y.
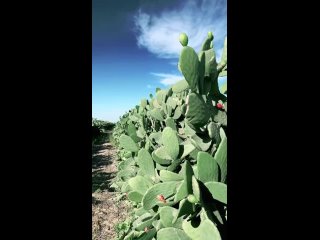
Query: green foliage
{"type": "Point", "coordinates": [172, 151]}
{"type": "Point", "coordinates": [100, 130]}
{"type": "Point", "coordinates": [183, 38]}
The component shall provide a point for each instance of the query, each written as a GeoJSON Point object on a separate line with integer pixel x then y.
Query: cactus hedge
{"type": "Point", "coordinates": [172, 151]}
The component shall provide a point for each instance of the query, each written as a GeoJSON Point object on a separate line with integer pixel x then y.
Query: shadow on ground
{"type": "Point", "coordinates": [102, 181]}
{"type": "Point", "coordinates": [101, 173]}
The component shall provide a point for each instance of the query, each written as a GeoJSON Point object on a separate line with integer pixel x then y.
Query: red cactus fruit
{"type": "Point", "coordinates": [219, 105]}
{"type": "Point", "coordinates": [161, 198]}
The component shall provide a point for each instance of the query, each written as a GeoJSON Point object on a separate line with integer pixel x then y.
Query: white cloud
{"type": "Point", "coordinates": [168, 79]}
{"type": "Point", "coordinates": [159, 33]}
{"type": "Point", "coordinates": [149, 86]}
{"type": "Point", "coordinates": [173, 63]}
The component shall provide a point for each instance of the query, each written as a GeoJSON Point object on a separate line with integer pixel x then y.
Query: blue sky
{"type": "Point", "coordinates": [135, 47]}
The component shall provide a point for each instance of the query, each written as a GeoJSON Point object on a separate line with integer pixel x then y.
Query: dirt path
{"type": "Point", "coordinates": [106, 210]}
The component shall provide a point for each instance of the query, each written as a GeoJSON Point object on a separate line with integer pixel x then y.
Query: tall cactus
{"type": "Point", "coordinates": [172, 151]}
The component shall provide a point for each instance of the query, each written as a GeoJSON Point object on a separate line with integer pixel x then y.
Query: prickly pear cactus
{"type": "Point", "coordinates": [172, 152]}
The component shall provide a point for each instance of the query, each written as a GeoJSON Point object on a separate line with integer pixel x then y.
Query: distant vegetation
{"type": "Point", "coordinates": [101, 130]}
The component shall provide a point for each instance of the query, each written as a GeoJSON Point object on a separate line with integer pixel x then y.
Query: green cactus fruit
{"type": "Point", "coordinates": [140, 184]}
{"type": "Point", "coordinates": [135, 196]}
{"type": "Point", "coordinates": [180, 86]}
{"type": "Point", "coordinates": [170, 142]}
{"type": "Point", "coordinates": [150, 198]}
{"type": "Point", "coordinates": [160, 156]}
{"type": "Point", "coordinates": [189, 64]}
{"type": "Point", "coordinates": [192, 199]}
{"type": "Point", "coordinates": [145, 162]}
{"type": "Point", "coordinates": [171, 123]}
{"type": "Point", "coordinates": [218, 191]}
{"type": "Point", "coordinates": [171, 233]}
{"type": "Point", "coordinates": [205, 231]}
{"type": "Point", "coordinates": [207, 42]}
{"type": "Point", "coordinates": [167, 176]}
{"type": "Point", "coordinates": [156, 114]}
{"type": "Point", "coordinates": [128, 144]}
{"type": "Point", "coordinates": [167, 215]}
{"type": "Point", "coordinates": [183, 39]}
{"type": "Point", "coordinates": [208, 169]}
{"type": "Point", "coordinates": [177, 113]}
{"type": "Point", "coordinates": [221, 158]}
{"type": "Point", "coordinates": [197, 113]}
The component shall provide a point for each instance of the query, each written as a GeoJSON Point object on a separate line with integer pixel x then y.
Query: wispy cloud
{"type": "Point", "coordinates": [168, 79]}
{"type": "Point", "coordinates": [150, 86]}
{"type": "Point", "coordinates": [174, 63]}
{"type": "Point", "coordinates": [159, 33]}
